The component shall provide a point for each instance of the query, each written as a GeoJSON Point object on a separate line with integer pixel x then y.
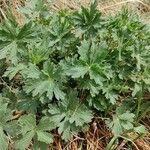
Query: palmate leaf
{"type": "Point", "coordinates": [34, 9]}
{"type": "Point", "coordinates": [122, 123]}
{"type": "Point", "coordinates": [30, 130]}
{"type": "Point", "coordinates": [99, 102]}
{"type": "Point", "coordinates": [110, 94]}
{"type": "Point", "coordinates": [28, 123]}
{"type": "Point", "coordinates": [71, 115]}
{"type": "Point", "coordinates": [90, 85]}
{"type": "Point", "coordinates": [78, 71]}
{"type": "Point", "coordinates": [10, 31]}
{"type": "Point", "coordinates": [25, 141]}
{"type": "Point", "coordinates": [84, 51]}
{"type": "Point", "coordinates": [61, 37]}
{"type": "Point", "coordinates": [5, 116]}
{"type": "Point", "coordinates": [80, 117]}
{"type": "Point", "coordinates": [38, 52]}
{"type": "Point", "coordinates": [91, 63]}
{"type": "Point", "coordinates": [60, 30]}
{"type": "Point", "coordinates": [12, 71]}
{"type": "Point", "coordinates": [44, 137]}
{"type": "Point", "coordinates": [27, 103]}
{"type": "Point", "coordinates": [45, 124]}
{"type": "Point", "coordinates": [87, 21]}
{"type": "Point", "coordinates": [13, 39]}
{"type": "Point", "coordinates": [10, 52]}
{"type": "Point", "coordinates": [140, 129]}
{"type": "Point", "coordinates": [137, 89]}
{"type": "Point", "coordinates": [40, 87]}
{"type": "Point", "coordinates": [3, 140]}
{"type": "Point", "coordinates": [66, 129]}
{"type": "Point", "coordinates": [48, 83]}
{"type": "Point", "coordinates": [98, 73]}
{"type": "Point", "coordinates": [31, 72]}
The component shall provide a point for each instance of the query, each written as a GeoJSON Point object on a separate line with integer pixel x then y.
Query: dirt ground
{"type": "Point", "coordinates": [142, 7]}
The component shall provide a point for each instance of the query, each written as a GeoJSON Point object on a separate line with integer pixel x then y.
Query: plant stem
{"type": "Point", "coordinates": [110, 144]}
{"type": "Point", "coordinates": [139, 102]}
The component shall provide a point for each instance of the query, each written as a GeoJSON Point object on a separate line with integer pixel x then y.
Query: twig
{"type": "Point", "coordinates": [135, 146]}
{"type": "Point", "coordinates": [5, 84]}
{"type": "Point", "coordinates": [143, 4]}
{"type": "Point", "coordinates": [130, 141]}
{"type": "Point", "coordinates": [121, 145]}
{"type": "Point", "coordinates": [3, 14]}
{"type": "Point", "coordinates": [78, 137]}
{"type": "Point", "coordinates": [124, 2]}
{"type": "Point", "coordinates": [70, 6]}
{"type": "Point", "coordinates": [102, 118]}
{"type": "Point", "coordinates": [18, 115]}
{"type": "Point", "coordinates": [70, 143]}
{"type": "Point", "coordinates": [120, 3]}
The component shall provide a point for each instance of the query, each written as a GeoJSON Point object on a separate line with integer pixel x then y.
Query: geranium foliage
{"type": "Point", "coordinates": [61, 69]}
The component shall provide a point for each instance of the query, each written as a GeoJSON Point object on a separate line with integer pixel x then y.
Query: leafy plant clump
{"type": "Point", "coordinates": [60, 70]}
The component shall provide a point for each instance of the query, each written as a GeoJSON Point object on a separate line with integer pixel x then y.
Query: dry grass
{"type": "Point", "coordinates": [98, 137]}
{"type": "Point", "coordinates": [95, 139]}
{"type": "Point", "coordinates": [6, 5]}
{"type": "Point", "coordinates": [141, 7]}
{"type": "Point", "coordinates": [109, 6]}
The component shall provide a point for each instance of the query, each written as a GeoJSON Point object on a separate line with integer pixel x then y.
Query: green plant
{"type": "Point", "coordinates": [63, 69]}
{"type": "Point", "coordinates": [72, 116]}
{"type": "Point", "coordinates": [30, 130]}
